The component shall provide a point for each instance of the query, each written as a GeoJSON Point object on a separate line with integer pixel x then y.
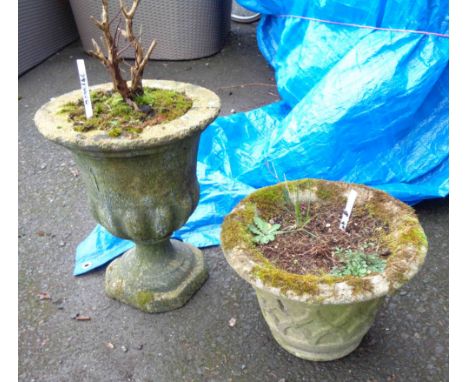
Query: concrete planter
{"type": "Point", "coordinates": [322, 318]}
{"type": "Point", "coordinates": [143, 189]}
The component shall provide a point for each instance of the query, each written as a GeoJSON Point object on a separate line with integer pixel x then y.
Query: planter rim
{"type": "Point", "coordinates": [205, 108]}
{"type": "Point", "coordinates": [406, 236]}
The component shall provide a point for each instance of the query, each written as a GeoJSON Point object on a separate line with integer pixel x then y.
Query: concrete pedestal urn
{"type": "Point", "coordinates": [322, 317]}
{"type": "Point", "coordinates": [143, 189]}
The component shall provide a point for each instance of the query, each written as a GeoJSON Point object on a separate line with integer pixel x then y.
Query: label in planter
{"type": "Point", "coordinates": [347, 211]}
{"type": "Point", "coordinates": [85, 88]}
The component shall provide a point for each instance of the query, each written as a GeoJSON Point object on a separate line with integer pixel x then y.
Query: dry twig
{"type": "Point", "coordinates": [113, 58]}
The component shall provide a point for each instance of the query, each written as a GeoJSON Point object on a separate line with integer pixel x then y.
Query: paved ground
{"type": "Point", "coordinates": [409, 341]}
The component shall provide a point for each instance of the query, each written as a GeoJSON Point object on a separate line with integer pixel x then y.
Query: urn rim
{"type": "Point", "coordinates": [55, 127]}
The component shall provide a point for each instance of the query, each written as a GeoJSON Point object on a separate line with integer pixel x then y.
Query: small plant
{"type": "Point", "coordinates": [357, 263]}
{"type": "Point", "coordinates": [264, 232]}
{"type": "Point", "coordinates": [301, 219]}
{"type": "Point", "coordinates": [129, 107]}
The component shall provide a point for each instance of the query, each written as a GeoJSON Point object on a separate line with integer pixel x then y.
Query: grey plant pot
{"type": "Point", "coordinates": [143, 189]}
{"type": "Point", "coordinates": [322, 318]}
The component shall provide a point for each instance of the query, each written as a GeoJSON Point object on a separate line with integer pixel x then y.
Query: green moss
{"type": "Point", "coordinates": [144, 298]}
{"type": "Point", "coordinates": [403, 229]}
{"type": "Point", "coordinates": [324, 194]}
{"type": "Point", "coordinates": [115, 132]}
{"type": "Point", "coordinates": [267, 201]}
{"type": "Point", "coordinates": [408, 232]}
{"type": "Point", "coordinates": [396, 272]}
{"type": "Point", "coordinates": [112, 114]}
{"type": "Point", "coordinates": [359, 284]}
{"type": "Point", "coordinates": [377, 206]}
{"type": "Point", "coordinates": [330, 192]}
{"type": "Point", "coordinates": [285, 281]}
{"type": "Point", "coordinates": [69, 107]}
{"type": "Point", "coordinates": [235, 231]}
{"type": "Point", "coordinates": [83, 128]}
{"type": "Point", "coordinates": [326, 191]}
{"type": "Point", "coordinates": [98, 108]}
{"type": "Point", "coordinates": [414, 235]}
{"type": "Point", "coordinates": [119, 110]}
{"type": "Point", "coordinates": [306, 284]}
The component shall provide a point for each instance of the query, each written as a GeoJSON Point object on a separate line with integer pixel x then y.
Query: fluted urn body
{"type": "Point", "coordinates": [321, 317]}
{"type": "Point", "coordinates": [143, 189]}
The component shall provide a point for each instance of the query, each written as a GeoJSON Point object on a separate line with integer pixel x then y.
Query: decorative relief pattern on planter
{"type": "Point", "coordinates": [317, 332]}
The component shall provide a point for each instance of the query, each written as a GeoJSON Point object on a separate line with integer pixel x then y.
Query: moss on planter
{"type": "Point", "coordinates": [235, 230]}
{"type": "Point", "coordinates": [112, 114]}
{"type": "Point", "coordinates": [306, 284]}
{"type": "Point", "coordinates": [268, 201]}
{"type": "Point", "coordinates": [411, 234]}
{"type": "Point", "coordinates": [330, 192]}
{"type": "Point", "coordinates": [285, 281]}
{"type": "Point", "coordinates": [407, 231]}
{"type": "Point", "coordinates": [414, 235]}
{"type": "Point", "coordinates": [406, 239]}
{"type": "Point", "coordinates": [377, 205]}
{"type": "Point", "coordinates": [143, 298]}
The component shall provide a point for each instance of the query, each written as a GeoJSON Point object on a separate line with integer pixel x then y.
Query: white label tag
{"type": "Point", "coordinates": [347, 211]}
{"type": "Point", "coordinates": [84, 88]}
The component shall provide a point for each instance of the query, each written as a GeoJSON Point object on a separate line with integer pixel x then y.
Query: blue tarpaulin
{"type": "Point", "coordinates": [364, 99]}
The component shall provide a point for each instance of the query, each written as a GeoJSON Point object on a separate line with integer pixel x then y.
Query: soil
{"type": "Point", "coordinates": [311, 250]}
{"type": "Point", "coordinates": [112, 114]}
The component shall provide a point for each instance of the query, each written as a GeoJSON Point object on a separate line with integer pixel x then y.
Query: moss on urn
{"type": "Point", "coordinates": [143, 188]}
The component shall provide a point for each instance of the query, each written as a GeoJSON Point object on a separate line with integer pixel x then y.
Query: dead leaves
{"type": "Point", "coordinates": [81, 317]}
{"type": "Point", "coordinates": [43, 296]}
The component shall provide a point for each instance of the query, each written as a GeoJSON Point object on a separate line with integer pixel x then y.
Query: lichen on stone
{"type": "Point", "coordinates": [143, 298]}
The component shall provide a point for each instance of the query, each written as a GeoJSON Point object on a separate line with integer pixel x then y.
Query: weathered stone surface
{"type": "Point", "coordinates": [317, 332]}
{"type": "Point", "coordinates": [143, 197]}
{"type": "Point", "coordinates": [143, 189]}
{"type": "Point", "coordinates": [158, 277]}
{"type": "Point", "coordinates": [320, 317]}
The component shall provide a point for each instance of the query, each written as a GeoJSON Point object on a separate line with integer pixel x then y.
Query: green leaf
{"type": "Point", "coordinates": [264, 232]}
{"type": "Point", "coordinates": [261, 224]}
{"type": "Point", "coordinates": [254, 229]}
{"type": "Point", "coordinates": [357, 263]}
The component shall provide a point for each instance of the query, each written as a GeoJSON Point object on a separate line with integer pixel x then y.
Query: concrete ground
{"type": "Point", "coordinates": [408, 342]}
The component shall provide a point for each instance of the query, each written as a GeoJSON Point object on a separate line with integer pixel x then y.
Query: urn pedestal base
{"type": "Point", "coordinates": [156, 277]}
